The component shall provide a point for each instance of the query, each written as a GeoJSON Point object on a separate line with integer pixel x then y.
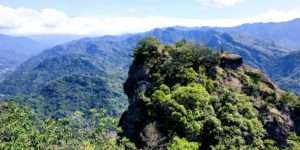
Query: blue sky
{"type": "Point", "coordinates": [54, 16]}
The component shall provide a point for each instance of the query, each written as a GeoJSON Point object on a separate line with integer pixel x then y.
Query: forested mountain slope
{"type": "Point", "coordinates": [287, 72]}
{"type": "Point", "coordinates": [84, 62]}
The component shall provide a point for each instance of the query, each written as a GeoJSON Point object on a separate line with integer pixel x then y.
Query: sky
{"type": "Point", "coordinates": [102, 17]}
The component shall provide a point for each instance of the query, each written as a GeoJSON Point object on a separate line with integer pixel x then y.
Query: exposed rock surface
{"type": "Point", "coordinates": [134, 122]}
{"type": "Point", "coordinates": [232, 61]}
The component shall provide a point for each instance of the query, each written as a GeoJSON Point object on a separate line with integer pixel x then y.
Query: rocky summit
{"type": "Point", "coordinates": [232, 61]}
{"type": "Point", "coordinates": [207, 99]}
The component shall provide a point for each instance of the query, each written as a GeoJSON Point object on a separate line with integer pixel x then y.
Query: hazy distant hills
{"type": "Point", "coordinates": [112, 56]}
{"type": "Point", "coordinates": [284, 33]}
{"type": "Point", "coordinates": [55, 39]}
{"type": "Point", "coordinates": [15, 50]}
{"type": "Point", "coordinates": [81, 57]}
{"type": "Point", "coordinates": [287, 72]}
{"type": "Point", "coordinates": [20, 45]}
{"type": "Point", "coordinates": [257, 53]}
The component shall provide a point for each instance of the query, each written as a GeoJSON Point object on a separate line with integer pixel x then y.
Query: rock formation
{"type": "Point", "coordinates": [225, 71]}
{"type": "Point", "coordinates": [232, 61]}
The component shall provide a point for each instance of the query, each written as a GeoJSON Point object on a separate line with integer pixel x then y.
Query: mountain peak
{"type": "Point", "coordinates": [176, 90]}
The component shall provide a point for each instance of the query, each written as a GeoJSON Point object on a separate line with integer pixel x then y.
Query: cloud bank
{"type": "Point", "coordinates": [219, 3]}
{"type": "Point", "coordinates": [25, 21]}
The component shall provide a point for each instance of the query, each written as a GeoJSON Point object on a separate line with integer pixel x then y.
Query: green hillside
{"type": "Point", "coordinates": [208, 99]}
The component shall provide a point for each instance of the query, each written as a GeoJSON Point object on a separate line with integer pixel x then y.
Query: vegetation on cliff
{"type": "Point", "coordinates": [190, 92]}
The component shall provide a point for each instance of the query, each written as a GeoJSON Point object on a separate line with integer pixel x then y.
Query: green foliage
{"type": "Point", "coordinates": [15, 127]}
{"type": "Point", "coordinates": [290, 99]}
{"type": "Point", "coordinates": [268, 145]}
{"type": "Point", "coordinates": [205, 80]}
{"type": "Point", "coordinates": [227, 122]}
{"type": "Point", "coordinates": [192, 97]}
{"type": "Point", "coordinates": [187, 96]}
{"type": "Point", "coordinates": [183, 108]}
{"type": "Point", "coordinates": [174, 64]}
{"type": "Point", "coordinates": [146, 47]}
{"type": "Point", "coordinates": [183, 144]}
{"type": "Point", "coordinates": [234, 124]}
{"type": "Point", "coordinates": [19, 131]}
{"type": "Point", "coordinates": [293, 141]}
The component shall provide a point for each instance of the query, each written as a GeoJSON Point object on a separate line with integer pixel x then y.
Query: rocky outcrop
{"type": "Point", "coordinates": [135, 123]}
{"type": "Point", "coordinates": [148, 133]}
{"type": "Point", "coordinates": [231, 61]}
{"type": "Point", "coordinates": [136, 81]}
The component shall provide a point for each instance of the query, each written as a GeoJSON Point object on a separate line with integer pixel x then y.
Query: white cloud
{"type": "Point", "coordinates": [24, 21]}
{"type": "Point", "coordinates": [276, 16]}
{"type": "Point", "coordinates": [219, 3]}
{"type": "Point", "coordinates": [52, 18]}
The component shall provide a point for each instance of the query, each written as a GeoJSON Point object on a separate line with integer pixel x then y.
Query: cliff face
{"type": "Point", "coordinates": [134, 121]}
{"type": "Point", "coordinates": [205, 97]}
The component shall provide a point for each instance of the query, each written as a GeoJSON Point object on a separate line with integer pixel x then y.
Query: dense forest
{"type": "Point", "coordinates": [181, 96]}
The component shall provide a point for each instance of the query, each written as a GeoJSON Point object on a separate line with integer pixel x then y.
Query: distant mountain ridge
{"type": "Point", "coordinates": [22, 45]}
{"type": "Point", "coordinates": [14, 50]}
{"type": "Point", "coordinates": [285, 33]}
{"type": "Point", "coordinates": [54, 39]}
{"type": "Point", "coordinates": [107, 54]}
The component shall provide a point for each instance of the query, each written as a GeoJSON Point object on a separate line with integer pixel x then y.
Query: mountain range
{"type": "Point", "coordinates": [107, 59]}
{"type": "Point", "coordinates": [15, 50]}
{"type": "Point", "coordinates": [283, 33]}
